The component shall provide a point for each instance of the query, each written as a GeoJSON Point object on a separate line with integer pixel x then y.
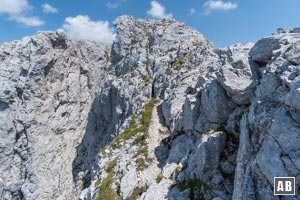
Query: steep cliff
{"type": "Point", "coordinates": [160, 114]}
{"type": "Point", "coordinates": [47, 87]}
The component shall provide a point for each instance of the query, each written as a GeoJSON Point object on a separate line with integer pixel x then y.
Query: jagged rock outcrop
{"type": "Point", "coordinates": [270, 128]}
{"type": "Point", "coordinates": [192, 78]}
{"type": "Point", "coordinates": [47, 86]}
{"type": "Point", "coordinates": [161, 114]}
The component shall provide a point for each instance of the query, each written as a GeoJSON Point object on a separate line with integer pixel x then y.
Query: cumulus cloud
{"type": "Point", "coordinates": [82, 27]}
{"type": "Point", "coordinates": [17, 10]}
{"type": "Point", "coordinates": [219, 5]}
{"type": "Point", "coordinates": [13, 7]}
{"type": "Point", "coordinates": [47, 8]}
{"type": "Point", "coordinates": [192, 11]}
{"type": "Point", "coordinates": [158, 11]}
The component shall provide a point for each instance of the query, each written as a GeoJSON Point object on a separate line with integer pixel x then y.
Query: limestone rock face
{"type": "Point", "coordinates": [80, 120]}
{"type": "Point", "coordinates": [270, 129]}
{"type": "Point", "coordinates": [47, 86]}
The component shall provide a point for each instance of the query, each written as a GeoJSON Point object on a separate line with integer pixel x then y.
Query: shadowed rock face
{"type": "Point", "coordinates": [47, 87]}
{"type": "Point", "coordinates": [226, 124]}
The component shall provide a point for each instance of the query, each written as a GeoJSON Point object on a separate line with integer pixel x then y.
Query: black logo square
{"type": "Point", "coordinates": [284, 185]}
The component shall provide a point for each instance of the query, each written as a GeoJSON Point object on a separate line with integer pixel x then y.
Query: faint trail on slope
{"type": "Point", "coordinates": [150, 174]}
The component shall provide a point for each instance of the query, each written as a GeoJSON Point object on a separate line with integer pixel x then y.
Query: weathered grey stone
{"type": "Point", "coordinates": [48, 86]}
{"type": "Point", "coordinates": [128, 183]}
{"type": "Point", "coordinates": [206, 155]}
{"type": "Point", "coordinates": [230, 111]}
{"type": "Point", "coordinates": [262, 51]}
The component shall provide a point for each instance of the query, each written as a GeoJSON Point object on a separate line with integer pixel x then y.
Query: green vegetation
{"type": "Point", "coordinates": [137, 192]}
{"type": "Point", "coordinates": [86, 182]}
{"type": "Point", "coordinates": [131, 70]}
{"type": "Point", "coordinates": [102, 150]}
{"type": "Point", "coordinates": [142, 151]}
{"type": "Point", "coordinates": [177, 63]}
{"type": "Point", "coordinates": [97, 183]}
{"type": "Point", "coordinates": [180, 61]}
{"type": "Point", "coordinates": [168, 71]}
{"type": "Point", "coordinates": [192, 184]}
{"type": "Point", "coordinates": [239, 117]}
{"type": "Point", "coordinates": [178, 170]}
{"type": "Point", "coordinates": [166, 132]}
{"type": "Point", "coordinates": [140, 139]}
{"type": "Point", "coordinates": [159, 177]}
{"type": "Point", "coordinates": [146, 79]}
{"type": "Point", "coordinates": [133, 129]}
{"type": "Point", "coordinates": [208, 132]}
{"type": "Point", "coordinates": [134, 93]}
{"type": "Point", "coordinates": [229, 136]}
{"type": "Point", "coordinates": [140, 164]}
{"type": "Point", "coordinates": [146, 116]}
{"type": "Point", "coordinates": [128, 133]}
{"type": "Point", "coordinates": [105, 190]}
{"type": "Point", "coordinates": [197, 44]}
{"type": "Point", "coordinates": [220, 127]}
{"type": "Point", "coordinates": [172, 62]}
{"type": "Point", "coordinates": [195, 186]}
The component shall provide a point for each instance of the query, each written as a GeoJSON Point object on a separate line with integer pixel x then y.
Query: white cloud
{"type": "Point", "coordinates": [28, 21]}
{"type": "Point", "coordinates": [82, 27]}
{"type": "Point", "coordinates": [158, 11]}
{"type": "Point", "coordinates": [219, 5]}
{"type": "Point", "coordinates": [112, 5]}
{"type": "Point", "coordinates": [47, 8]}
{"type": "Point", "coordinates": [17, 10]}
{"type": "Point", "coordinates": [192, 11]}
{"type": "Point", "coordinates": [13, 7]}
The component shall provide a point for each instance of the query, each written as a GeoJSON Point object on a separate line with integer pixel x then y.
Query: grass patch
{"type": "Point", "coordinates": [86, 182]}
{"type": "Point", "coordinates": [128, 133]}
{"type": "Point", "coordinates": [220, 127]}
{"type": "Point", "coordinates": [210, 132]}
{"type": "Point", "coordinates": [142, 151]}
{"type": "Point", "coordinates": [180, 61]}
{"type": "Point", "coordinates": [197, 44]}
{"type": "Point", "coordinates": [239, 117]}
{"type": "Point", "coordinates": [146, 79]}
{"type": "Point", "coordinates": [102, 150]}
{"type": "Point", "coordinates": [194, 185]}
{"type": "Point", "coordinates": [178, 170]}
{"type": "Point", "coordinates": [177, 64]}
{"type": "Point", "coordinates": [97, 183]}
{"type": "Point", "coordinates": [134, 93]}
{"type": "Point", "coordinates": [171, 62]}
{"type": "Point", "coordinates": [105, 190]}
{"type": "Point", "coordinates": [159, 177]}
{"type": "Point", "coordinates": [140, 139]}
{"type": "Point", "coordinates": [133, 129]}
{"type": "Point", "coordinates": [229, 136]}
{"type": "Point", "coordinates": [140, 164]}
{"type": "Point", "coordinates": [137, 192]}
{"type": "Point", "coordinates": [168, 71]}
{"type": "Point", "coordinates": [146, 116]}
{"type": "Point", "coordinates": [162, 132]}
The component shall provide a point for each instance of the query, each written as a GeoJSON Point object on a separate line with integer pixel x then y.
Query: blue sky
{"type": "Point", "coordinates": [224, 22]}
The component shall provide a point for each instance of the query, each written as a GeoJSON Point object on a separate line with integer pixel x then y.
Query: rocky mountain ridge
{"type": "Point", "coordinates": [160, 114]}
